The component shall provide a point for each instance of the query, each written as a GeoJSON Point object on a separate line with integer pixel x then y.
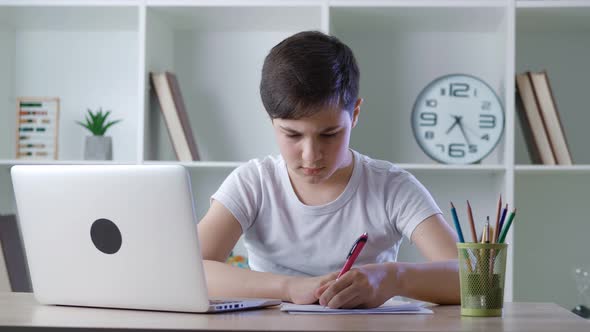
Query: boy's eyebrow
{"type": "Point", "coordinates": [295, 131]}
{"type": "Point", "coordinates": [331, 128]}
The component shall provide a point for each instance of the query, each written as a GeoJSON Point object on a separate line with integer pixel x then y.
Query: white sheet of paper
{"type": "Point", "coordinates": [390, 307]}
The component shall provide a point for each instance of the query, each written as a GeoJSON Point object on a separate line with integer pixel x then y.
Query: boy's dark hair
{"type": "Point", "coordinates": [306, 73]}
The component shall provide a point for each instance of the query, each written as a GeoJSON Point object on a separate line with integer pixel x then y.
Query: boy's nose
{"type": "Point", "coordinates": [311, 153]}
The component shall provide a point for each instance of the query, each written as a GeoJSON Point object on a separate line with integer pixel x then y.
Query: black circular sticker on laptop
{"type": "Point", "coordinates": [106, 236]}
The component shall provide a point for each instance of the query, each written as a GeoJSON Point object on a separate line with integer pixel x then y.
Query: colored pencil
{"type": "Point", "coordinates": [508, 224]}
{"type": "Point", "coordinates": [485, 237]}
{"type": "Point", "coordinates": [471, 223]}
{"type": "Point", "coordinates": [504, 210]}
{"type": "Point", "coordinates": [457, 225]}
{"type": "Point", "coordinates": [495, 235]}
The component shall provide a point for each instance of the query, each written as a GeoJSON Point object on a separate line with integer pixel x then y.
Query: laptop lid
{"type": "Point", "coordinates": [120, 236]}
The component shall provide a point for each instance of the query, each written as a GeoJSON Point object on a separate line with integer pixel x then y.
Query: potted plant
{"type": "Point", "coordinates": [98, 146]}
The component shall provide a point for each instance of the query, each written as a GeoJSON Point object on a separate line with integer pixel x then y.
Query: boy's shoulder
{"type": "Point", "coordinates": [380, 167]}
{"type": "Point", "coordinates": [265, 166]}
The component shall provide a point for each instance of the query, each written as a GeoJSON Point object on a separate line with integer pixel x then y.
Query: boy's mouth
{"type": "Point", "coordinates": [311, 171]}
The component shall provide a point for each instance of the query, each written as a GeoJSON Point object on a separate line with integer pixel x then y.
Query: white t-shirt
{"type": "Point", "coordinates": [284, 236]}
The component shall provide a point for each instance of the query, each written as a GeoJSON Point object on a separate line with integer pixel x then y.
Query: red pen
{"type": "Point", "coordinates": [354, 253]}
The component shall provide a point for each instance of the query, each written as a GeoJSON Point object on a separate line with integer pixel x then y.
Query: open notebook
{"type": "Point", "coordinates": [390, 307]}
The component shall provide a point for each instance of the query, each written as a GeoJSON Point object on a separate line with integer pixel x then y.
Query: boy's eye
{"type": "Point", "coordinates": [330, 135]}
{"type": "Point", "coordinates": [293, 135]}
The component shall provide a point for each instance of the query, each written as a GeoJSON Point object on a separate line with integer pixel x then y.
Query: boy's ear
{"type": "Point", "coordinates": [356, 111]}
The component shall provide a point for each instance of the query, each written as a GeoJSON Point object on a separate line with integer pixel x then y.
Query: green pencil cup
{"type": "Point", "coordinates": [482, 270]}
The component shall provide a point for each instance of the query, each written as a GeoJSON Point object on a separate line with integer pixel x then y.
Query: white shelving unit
{"type": "Point", "coordinates": [99, 53]}
{"type": "Point", "coordinates": [552, 233]}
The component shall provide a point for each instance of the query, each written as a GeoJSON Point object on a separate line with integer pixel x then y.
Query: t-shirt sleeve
{"type": "Point", "coordinates": [240, 194]}
{"type": "Point", "coordinates": [411, 205]}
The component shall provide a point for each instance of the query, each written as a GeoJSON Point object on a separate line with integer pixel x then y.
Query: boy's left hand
{"type": "Point", "coordinates": [367, 286]}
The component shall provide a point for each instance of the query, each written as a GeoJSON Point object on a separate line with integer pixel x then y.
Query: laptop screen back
{"type": "Point", "coordinates": [120, 236]}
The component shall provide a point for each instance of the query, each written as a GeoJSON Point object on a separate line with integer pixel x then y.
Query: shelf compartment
{"type": "Point", "coordinates": [86, 56]}
{"type": "Point", "coordinates": [550, 235]}
{"type": "Point", "coordinates": [557, 39]}
{"type": "Point", "coordinates": [402, 49]}
{"type": "Point", "coordinates": [217, 55]}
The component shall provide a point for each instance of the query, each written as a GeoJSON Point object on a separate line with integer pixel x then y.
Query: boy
{"type": "Point", "coordinates": [301, 211]}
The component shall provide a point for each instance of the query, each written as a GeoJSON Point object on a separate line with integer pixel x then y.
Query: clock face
{"type": "Point", "coordinates": [458, 119]}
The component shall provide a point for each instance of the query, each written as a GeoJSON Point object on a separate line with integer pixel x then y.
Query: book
{"type": "Point", "coordinates": [546, 101]}
{"type": "Point", "coordinates": [173, 109]}
{"type": "Point", "coordinates": [533, 128]}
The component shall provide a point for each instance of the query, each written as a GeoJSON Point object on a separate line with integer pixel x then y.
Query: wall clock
{"type": "Point", "coordinates": [458, 119]}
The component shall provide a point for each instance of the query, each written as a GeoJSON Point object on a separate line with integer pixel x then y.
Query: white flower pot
{"type": "Point", "coordinates": [98, 148]}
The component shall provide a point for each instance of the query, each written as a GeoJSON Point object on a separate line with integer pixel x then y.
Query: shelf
{"type": "Point", "coordinates": [551, 3]}
{"type": "Point", "coordinates": [234, 3]}
{"type": "Point", "coordinates": [574, 18]}
{"type": "Point", "coordinates": [194, 164]}
{"type": "Point", "coordinates": [198, 164]}
{"type": "Point", "coordinates": [11, 162]}
{"type": "Point", "coordinates": [68, 18]}
{"type": "Point", "coordinates": [408, 167]}
{"type": "Point", "coordinates": [235, 164]}
{"type": "Point", "coordinates": [237, 18]}
{"type": "Point", "coordinates": [550, 169]}
{"type": "Point", "coordinates": [453, 168]}
{"type": "Point", "coordinates": [418, 3]}
{"type": "Point", "coordinates": [418, 19]}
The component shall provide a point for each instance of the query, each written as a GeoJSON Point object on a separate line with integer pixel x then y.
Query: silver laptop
{"type": "Point", "coordinates": [118, 236]}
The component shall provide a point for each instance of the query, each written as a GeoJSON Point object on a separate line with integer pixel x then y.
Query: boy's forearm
{"type": "Point", "coordinates": [436, 282]}
{"type": "Point", "coordinates": [224, 280]}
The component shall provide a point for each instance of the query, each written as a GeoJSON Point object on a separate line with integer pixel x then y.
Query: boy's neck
{"type": "Point", "coordinates": [327, 191]}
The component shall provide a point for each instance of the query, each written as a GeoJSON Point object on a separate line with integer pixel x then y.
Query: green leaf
{"type": "Point", "coordinates": [110, 124]}
{"type": "Point", "coordinates": [97, 123]}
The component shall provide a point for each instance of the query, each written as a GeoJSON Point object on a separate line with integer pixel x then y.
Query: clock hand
{"type": "Point", "coordinates": [473, 133]}
{"type": "Point", "coordinates": [463, 132]}
{"type": "Point", "coordinates": [457, 120]}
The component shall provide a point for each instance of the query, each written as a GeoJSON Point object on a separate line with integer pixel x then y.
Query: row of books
{"type": "Point", "coordinates": [167, 90]}
{"type": "Point", "coordinates": [539, 118]}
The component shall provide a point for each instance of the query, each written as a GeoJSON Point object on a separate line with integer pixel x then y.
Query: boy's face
{"type": "Point", "coordinates": [315, 147]}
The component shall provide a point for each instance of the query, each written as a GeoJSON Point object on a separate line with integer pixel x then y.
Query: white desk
{"type": "Point", "coordinates": [19, 311]}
